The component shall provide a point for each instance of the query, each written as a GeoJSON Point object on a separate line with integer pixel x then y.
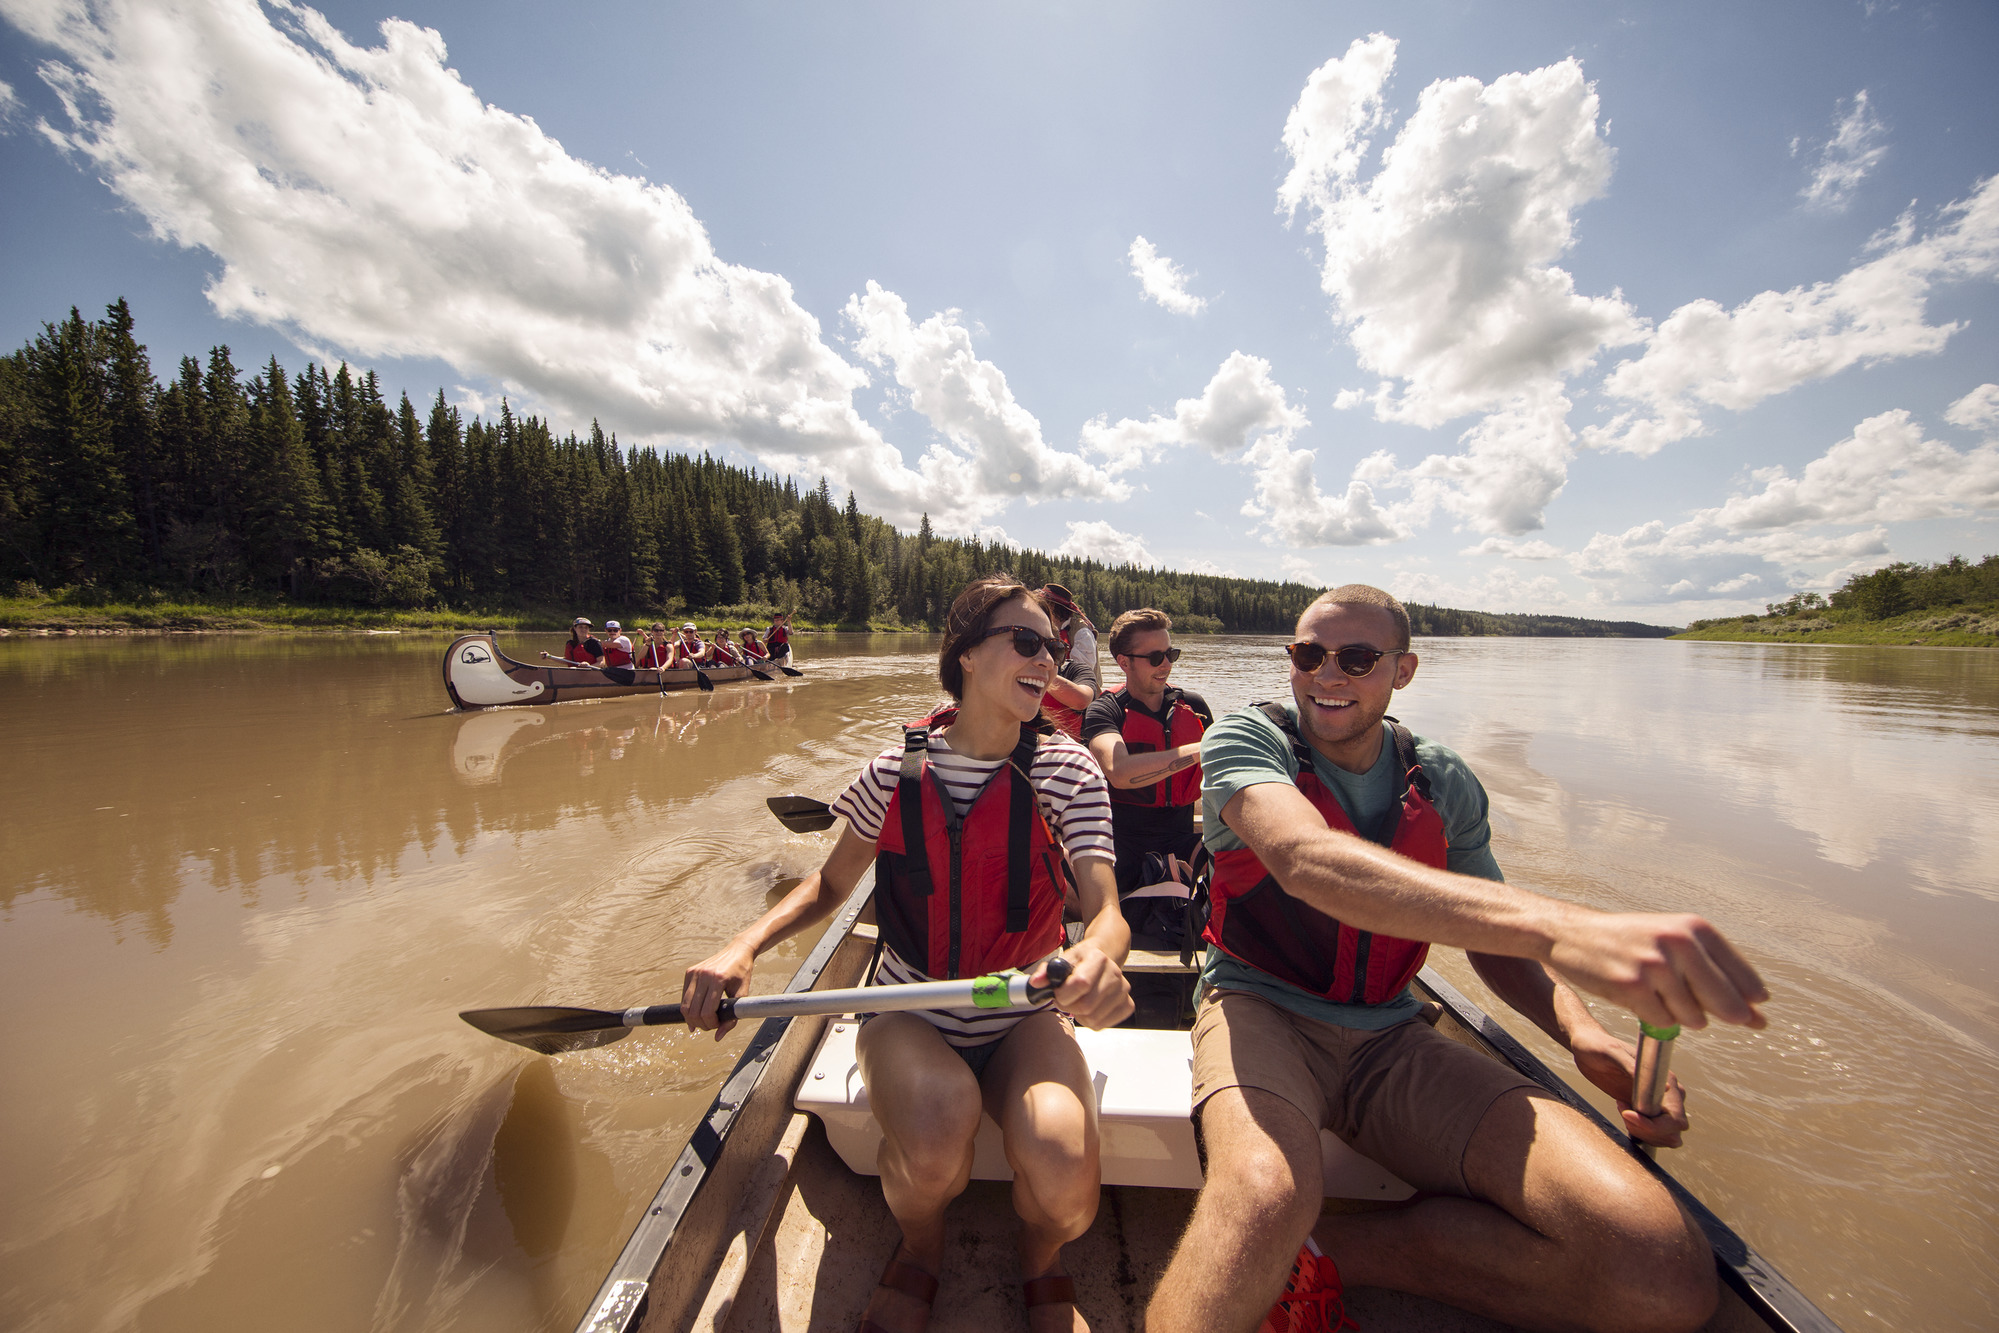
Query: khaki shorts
{"type": "Point", "coordinates": [1407, 1096]}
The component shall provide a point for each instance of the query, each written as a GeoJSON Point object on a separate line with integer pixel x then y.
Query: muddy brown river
{"type": "Point", "coordinates": [249, 882]}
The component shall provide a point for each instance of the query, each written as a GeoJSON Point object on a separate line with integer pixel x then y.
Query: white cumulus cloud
{"type": "Point", "coordinates": [1442, 263]}
{"type": "Point", "coordinates": [1240, 403]}
{"type": "Point", "coordinates": [1162, 279]}
{"type": "Point", "coordinates": [365, 199]}
{"type": "Point", "coordinates": [1097, 540]}
{"type": "Point", "coordinates": [1512, 550]}
{"type": "Point", "coordinates": [1704, 354]}
{"type": "Point", "coordinates": [998, 450]}
{"type": "Point", "coordinates": [1696, 562]}
{"type": "Point", "coordinates": [1977, 410]}
{"type": "Point", "coordinates": [1885, 472]}
{"type": "Point", "coordinates": [1857, 146]}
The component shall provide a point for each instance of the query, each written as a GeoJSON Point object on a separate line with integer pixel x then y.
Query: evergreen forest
{"type": "Point", "coordinates": [316, 488]}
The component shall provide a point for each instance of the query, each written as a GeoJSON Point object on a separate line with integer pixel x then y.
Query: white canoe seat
{"type": "Point", "coordinates": [1144, 1079]}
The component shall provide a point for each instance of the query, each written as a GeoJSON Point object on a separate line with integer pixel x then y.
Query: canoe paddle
{"type": "Point", "coordinates": [1648, 1080]}
{"type": "Point", "coordinates": [801, 814]}
{"type": "Point", "coordinates": [553, 1030]}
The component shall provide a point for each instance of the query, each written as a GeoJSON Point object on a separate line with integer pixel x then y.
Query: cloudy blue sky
{"type": "Point", "coordinates": [1606, 309]}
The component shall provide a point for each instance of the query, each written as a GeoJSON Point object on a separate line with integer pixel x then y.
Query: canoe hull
{"type": "Point", "coordinates": [478, 675]}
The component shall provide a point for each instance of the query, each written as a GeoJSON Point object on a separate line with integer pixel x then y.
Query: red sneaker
{"type": "Point", "coordinates": [1313, 1297]}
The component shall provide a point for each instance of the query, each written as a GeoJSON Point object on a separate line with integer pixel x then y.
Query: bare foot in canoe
{"type": "Point", "coordinates": [902, 1299]}
{"type": "Point", "coordinates": [1051, 1304]}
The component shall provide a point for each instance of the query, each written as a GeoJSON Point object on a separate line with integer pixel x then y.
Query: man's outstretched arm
{"type": "Point", "coordinates": [1666, 968]}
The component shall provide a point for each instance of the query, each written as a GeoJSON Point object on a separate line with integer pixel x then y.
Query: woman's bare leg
{"type": "Point", "coordinates": [927, 1103]}
{"type": "Point", "coordinates": [1038, 1089]}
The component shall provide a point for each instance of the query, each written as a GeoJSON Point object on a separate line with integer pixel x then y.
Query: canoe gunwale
{"type": "Point", "coordinates": [611, 1310]}
{"type": "Point", "coordinates": [1767, 1292]}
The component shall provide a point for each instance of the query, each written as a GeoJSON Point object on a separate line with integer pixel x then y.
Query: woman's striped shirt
{"type": "Point", "coordinates": [1069, 788]}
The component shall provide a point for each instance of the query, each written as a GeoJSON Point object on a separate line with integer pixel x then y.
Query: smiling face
{"type": "Point", "coordinates": [1144, 679]}
{"type": "Point", "coordinates": [1341, 714]}
{"type": "Point", "coordinates": [996, 676]}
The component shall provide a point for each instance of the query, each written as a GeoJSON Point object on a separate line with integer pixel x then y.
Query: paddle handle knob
{"type": "Point", "coordinates": [1655, 1056]}
{"type": "Point", "coordinates": [1059, 970]}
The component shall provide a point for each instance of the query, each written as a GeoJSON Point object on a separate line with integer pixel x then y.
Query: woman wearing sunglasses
{"type": "Point", "coordinates": [1074, 686]}
{"type": "Point", "coordinates": [939, 811]}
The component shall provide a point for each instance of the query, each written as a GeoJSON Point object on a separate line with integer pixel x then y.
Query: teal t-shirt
{"type": "Point", "coordinates": [1245, 748]}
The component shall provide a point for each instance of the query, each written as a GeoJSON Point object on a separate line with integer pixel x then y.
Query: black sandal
{"type": "Point", "coordinates": [908, 1279]}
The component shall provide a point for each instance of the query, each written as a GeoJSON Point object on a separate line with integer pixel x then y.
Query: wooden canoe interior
{"type": "Point", "coordinates": [783, 1238]}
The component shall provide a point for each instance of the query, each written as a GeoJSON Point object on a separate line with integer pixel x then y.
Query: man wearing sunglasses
{"type": "Point", "coordinates": [1147, 739]}
{"type": "Point", "coordinates": [1344, 847]}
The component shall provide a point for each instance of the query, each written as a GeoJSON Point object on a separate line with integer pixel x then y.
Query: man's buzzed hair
{"type": "Point", "coordinates": [1134, 623]}
{"type": "Point", "coordinates": [1361, 594]}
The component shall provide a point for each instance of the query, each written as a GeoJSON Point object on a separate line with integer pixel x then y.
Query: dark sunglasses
{"type": "Point", "coordinates": [1155, 658]}
{"type": "Point", "coordinates": [1356, 659]}
{"type": "Point", "coordinates": [1027, 643]}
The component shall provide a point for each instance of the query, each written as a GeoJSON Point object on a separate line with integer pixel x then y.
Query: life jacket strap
{"type": "Point", "coordinates": [909, 786]}
{"type": "Point", "coordinates": [1021, 813]}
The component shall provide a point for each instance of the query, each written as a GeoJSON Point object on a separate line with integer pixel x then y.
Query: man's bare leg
{"type": "Point", "coordinates": [927, 1103]}
{"type": "Point", "coordinates": [1038, 1089]}
{"type": "Point", "coordinates": [1261, 1197]}
{"type": "Point", "coordinates": [1568, 1232]}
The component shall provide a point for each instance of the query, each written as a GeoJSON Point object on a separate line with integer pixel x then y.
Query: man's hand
{"type": "Point", "coordinates": [1666, 969]}
{"type": "Point", "coordinates": [1096, 993]}
{"type": "Point", "coordinates": [724, 973]}
{"type": "Point", "coordinates": [1610, 1064]}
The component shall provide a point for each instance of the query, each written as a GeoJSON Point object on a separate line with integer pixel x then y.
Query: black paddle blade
{"type": "Point", "coordinates": [549, 1029]}
{"type": "Point", "coordinates": [801, 814]}
{"type": "Point", "coordinates": [791, 671]}
{"type": "Point", "coordinates": [761, 675]}
{"type": "Point", "coordinates": [707, 685]}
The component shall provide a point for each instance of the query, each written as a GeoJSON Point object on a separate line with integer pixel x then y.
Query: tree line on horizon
{"type": "Point", "coordinates": [315, 488]}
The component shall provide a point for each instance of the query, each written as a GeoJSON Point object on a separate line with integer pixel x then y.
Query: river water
{"type": "Point", "coordinates": [248, 883]}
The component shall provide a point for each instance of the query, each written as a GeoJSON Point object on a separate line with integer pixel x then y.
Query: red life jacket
{"type": "Point", "coordinates": [656, 655]}
{"type": "Point", "coordinates": [576, 652]}
{"type": "Point", "coordinates": [615, 656]}
{"type": "Point", "coordinates": [986, 891]}
{"type": "Point", "coordinates": [779, 639]}
{"type": "Point", "coordinates": [1065, 719]}
{"type": "Point", "coordinates": [1144, 735]}
{"type": "Point", "coordinates": [1252, 919]}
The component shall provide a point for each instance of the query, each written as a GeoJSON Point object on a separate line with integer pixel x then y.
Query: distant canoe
{"type": "Point", "coordinates": [478, 675]}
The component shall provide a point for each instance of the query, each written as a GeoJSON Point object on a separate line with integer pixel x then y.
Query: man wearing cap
{"type": "Point", "coordinates": [618, 654]}
{"type": "Point", "coordinates": [777, 639]}
{"type": "Point", "coordinates": [689, 650]}
{"type": "Point", "coordinates": [1075, 685]}
{"type": "Point", "coordinates": [582, 650]}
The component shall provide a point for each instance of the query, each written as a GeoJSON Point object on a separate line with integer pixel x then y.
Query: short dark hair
{"type": "Point", "coordinates": [1361, 594]}
{"type": "Point", "coordinates": [1134, 623]}
{"type": "Point", "coordinates": [970, 616]}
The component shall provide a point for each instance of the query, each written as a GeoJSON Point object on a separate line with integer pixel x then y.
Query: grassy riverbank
{"type": "Point", "coordinates": [168, 615]}
{"type": "Point", "coordinates": [1934, 627]}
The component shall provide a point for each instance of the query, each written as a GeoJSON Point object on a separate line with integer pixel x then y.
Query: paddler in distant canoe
{"type": "Point", "coordinates": [751, 646]}
{"type": "Point", "coordinates": [657, 655]}
{"type": "Point", "coordinates": [1342, 842]}
{"type": "Point", "coordinates": [936, 814]}
{"type": "Point", "coordinates": [1075, 686]}
{"type": "Point", "coordinates": [582, 650]}
{"type": "Point", "coordinates": [777, 639]}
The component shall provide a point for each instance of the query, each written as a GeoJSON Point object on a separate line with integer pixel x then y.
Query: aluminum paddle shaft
{"type": "Point", "coordinates": [1655, 1058]}
{"type": "Point", "coordinates": [553, 1030]}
